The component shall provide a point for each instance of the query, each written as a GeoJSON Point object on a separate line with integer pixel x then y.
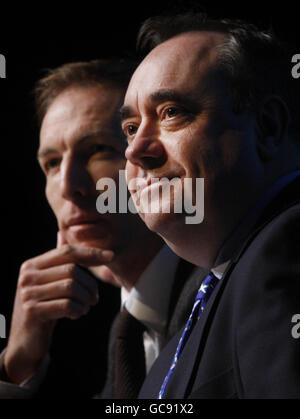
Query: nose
{"type": "Point", "coordinates": [75, 180]}
{"type": "Point", "coordinates": [146, 151]}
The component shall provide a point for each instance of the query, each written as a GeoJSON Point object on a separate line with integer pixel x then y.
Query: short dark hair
{"type": "Point", "coordinates": [254, 61]}
{"type": "Point", "coordinates": [113, 72]}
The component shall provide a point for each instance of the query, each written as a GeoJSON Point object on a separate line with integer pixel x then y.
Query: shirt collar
{"type": "Point", "coordinates": [148, 301]}
{"type": "Point", "coordinates": [219, 270]}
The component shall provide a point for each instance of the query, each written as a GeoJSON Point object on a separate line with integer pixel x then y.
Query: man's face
{"type": "Point", "coordinates": [178, 120]}
{"type": "Point", "coordinates": [80, 143]}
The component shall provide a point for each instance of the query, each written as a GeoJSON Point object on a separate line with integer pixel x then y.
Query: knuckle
{"type": "Point", "coordinates": [25, 294]}
{"type": "Point", "coordinates": [26, 266]}
{"type": "Point", "coordinates": [90, 251]}
{"type": "Point", "coordinates": [26, 278]}
{"type": "Point", "coordinates": [70, 269]}
{"type": "Point", "coordinates": [67, 307]}
{"type": "Point", "coordinates": [29, 309]}
{"type": "Point", "coordinates": [69, 286]}
{"type": "Point", "coordinates": [67, 250]}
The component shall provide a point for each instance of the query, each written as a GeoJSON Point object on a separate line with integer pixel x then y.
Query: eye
{"type": "Point", "coordinates": [129, 130]}
{"type": "Point", "coordinates": [51, 164]}
{"type": "Point", "coordinates": [171, 112]}
{"type": "Point", "coordinates": [175, 116]}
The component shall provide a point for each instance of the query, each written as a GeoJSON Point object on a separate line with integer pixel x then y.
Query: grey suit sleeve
{"type": "Point", "coordinates": [26, 390]}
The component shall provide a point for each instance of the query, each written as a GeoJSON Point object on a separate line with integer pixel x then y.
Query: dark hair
{"type": "Point", "coordinates": [254, 61]}
{"type": "Point", "coordinates": [112, 72]}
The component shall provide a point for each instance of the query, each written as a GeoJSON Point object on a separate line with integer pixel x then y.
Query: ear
{"type": "Point", "coordinates": [272, 123]}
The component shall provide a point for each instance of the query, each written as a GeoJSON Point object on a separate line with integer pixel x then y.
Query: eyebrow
{"type": "Point", "coordinates": [160, 96]}
{"type": "Point", "coordinates": [44, 152]}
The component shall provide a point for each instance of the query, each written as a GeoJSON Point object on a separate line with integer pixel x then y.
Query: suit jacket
{"type": "Point", "coordinates": [186, 284]}
{"type": "Point", "coordinates": [242, 346]}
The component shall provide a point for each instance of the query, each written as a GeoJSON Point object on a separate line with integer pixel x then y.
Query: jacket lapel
{"type": "Point", "coordinates": [183, 376]}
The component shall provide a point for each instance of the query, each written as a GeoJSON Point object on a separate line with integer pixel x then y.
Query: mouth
{"type": "Point", "coordinates": [82, 220]}
{"type": "Point", "coordinates": [156, 182]}
{"type": "Point", "coordinates": [86, 228]}
{"type": "Point", "coordinates": [137, 185]}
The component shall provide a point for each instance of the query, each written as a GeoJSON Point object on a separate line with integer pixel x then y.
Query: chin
{"type": "Point", "coordinates": [162, 223]}
{"type": "Point", "coordinates": [103, 243]}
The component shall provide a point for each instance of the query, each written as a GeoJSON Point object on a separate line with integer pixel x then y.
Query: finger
{"type": "Point", "coordinates": [85, 256]}
{"type": "Point", "coordinates": [65, 288]}
{"type": "Point", "coordinates": [57, 309]}
{"type": "Point", "coordinates": [55, 273]}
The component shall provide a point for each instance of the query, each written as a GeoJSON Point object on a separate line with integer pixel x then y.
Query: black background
{"type": "Point", "coordinates": [49, 35]}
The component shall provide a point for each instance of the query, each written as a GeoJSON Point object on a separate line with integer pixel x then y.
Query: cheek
{"type": "Point", "coordinates": [131, 172]}
{"type": "Point", "coordinates": [106, 169]}
{"type": "Point", "coordinates": [53, 199]}
{"type": "Point", "coordinates": [188, 153]}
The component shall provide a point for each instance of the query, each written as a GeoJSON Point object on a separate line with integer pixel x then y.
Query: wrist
{"type": "Point", "coordinates": [18, 367]}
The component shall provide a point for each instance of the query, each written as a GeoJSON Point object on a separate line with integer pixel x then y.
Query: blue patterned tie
{"type": "Point", "coordinates": [202, 297]}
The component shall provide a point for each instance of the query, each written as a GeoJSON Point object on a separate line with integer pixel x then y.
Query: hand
{"type": "Point", "coordinates": [50, 286]}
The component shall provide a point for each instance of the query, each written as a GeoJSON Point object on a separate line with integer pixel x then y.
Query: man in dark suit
{"type": "Point", "coordinates": [80, 143]}
{"type": "Point", "coordinates": [216, 100]}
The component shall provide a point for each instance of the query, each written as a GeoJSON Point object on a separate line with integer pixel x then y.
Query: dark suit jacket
{"type": "Point", "coordinates": [242, 346]}
{"type": "Point", "coordinates": [187, 281]}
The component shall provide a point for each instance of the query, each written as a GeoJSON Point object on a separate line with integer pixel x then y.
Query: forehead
{"type": "Point", "coordinates": [81, 108]}
{"type": "Point", "coordinates": [180, 63]}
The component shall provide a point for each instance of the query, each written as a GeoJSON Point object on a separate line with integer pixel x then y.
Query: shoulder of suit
{"type": "Point", "coordinates": [275, 225]}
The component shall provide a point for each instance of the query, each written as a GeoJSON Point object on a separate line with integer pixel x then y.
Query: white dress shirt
{"type": "Point", "coordinates": [149, 300]}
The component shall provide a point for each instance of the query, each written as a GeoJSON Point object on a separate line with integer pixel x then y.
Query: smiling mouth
{"type": "Point", "coordinates": [161, 180]}
{"type": "Point", "coordinates": [155, 187]}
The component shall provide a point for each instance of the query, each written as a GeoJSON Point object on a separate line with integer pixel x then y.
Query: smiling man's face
{"type": "Point", "coordinates": [179, 122]}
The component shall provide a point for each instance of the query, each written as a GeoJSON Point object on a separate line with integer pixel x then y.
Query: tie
{"type": "Point", "coordinates": [202, 297]}
{"type": "Point", "coordinates": [130, 369]}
